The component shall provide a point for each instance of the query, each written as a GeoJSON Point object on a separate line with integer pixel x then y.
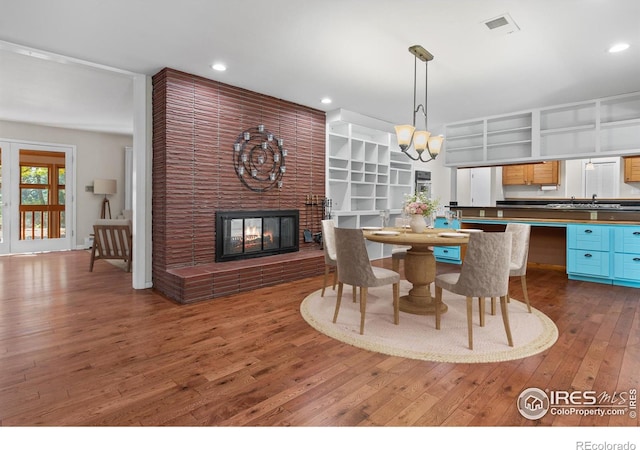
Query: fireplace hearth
{"type": "Point", "coordinates": [252, 234]}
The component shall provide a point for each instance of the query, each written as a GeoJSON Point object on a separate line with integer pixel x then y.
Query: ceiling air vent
{"type": "Point", "coordinates": [502, 24]}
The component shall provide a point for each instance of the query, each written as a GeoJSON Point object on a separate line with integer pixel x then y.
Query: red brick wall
{"type": "Point", "coordinates": [195, 123]}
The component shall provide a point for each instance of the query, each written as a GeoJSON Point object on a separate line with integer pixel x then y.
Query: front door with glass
{"type": "Point", "coordinates": [35, 211]}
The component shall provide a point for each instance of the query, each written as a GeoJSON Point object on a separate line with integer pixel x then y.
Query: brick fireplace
{"type": "Point", "coordinates": [195, 124]}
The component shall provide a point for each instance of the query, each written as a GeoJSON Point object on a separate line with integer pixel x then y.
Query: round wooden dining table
{"type": "Point", "coordinates": [419, 263]}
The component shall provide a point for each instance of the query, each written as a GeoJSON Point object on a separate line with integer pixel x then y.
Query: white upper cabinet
{"type": "Point", "coordinates": [602, 127]}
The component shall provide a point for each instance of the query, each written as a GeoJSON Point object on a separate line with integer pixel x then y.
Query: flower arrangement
{"type": "Point", "coordinates": [419, 204]}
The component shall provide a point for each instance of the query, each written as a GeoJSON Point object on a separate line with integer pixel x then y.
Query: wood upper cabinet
{"type": "Point", "coordinates": [524, 174]}
{"type": "Point", "coordinates": [632, 169]}
{"type": "Point", "coordinates": [514, 174]}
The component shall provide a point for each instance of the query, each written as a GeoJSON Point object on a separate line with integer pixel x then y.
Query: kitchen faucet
{"type": "Point", "coordinates": [593, 198]}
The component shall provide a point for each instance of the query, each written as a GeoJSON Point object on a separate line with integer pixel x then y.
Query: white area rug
{"type": "Point", "coordinates": [416, 337]}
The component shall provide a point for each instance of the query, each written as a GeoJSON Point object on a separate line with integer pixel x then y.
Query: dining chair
{"type": "Point", "coordinates": [329, 246]}
{"type": "Point", "coordinates": [484, 273]}
{"type": "Point", "coordinates": [112, 239]}
{"type": "Point", "coordinates": [520, 233]}
{"type": "Point", "coordinates": [354, 268]}
{"type": "Point", "coordinates": [398, 252]}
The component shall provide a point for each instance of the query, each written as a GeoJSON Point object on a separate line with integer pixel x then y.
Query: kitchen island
{"type": "Point", "coordinates": [590, 242]}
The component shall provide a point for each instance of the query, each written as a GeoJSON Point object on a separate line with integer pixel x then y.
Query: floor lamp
{"type": "Point", "coordinates": [106, 187]}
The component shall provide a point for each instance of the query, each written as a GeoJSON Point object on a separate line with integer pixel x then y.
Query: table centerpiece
{"type": "Point", "coordinates": [419, 207]}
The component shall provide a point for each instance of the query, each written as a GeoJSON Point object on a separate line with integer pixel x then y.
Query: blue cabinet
{"type": "Point", "coordinates": [626, 256]}
{"type": "Point", "coordinates": [447, 254]}
{"type": "Point", "coordinates": [442, 222]}
{"type": "Point", "coordinates": [588, 252]}
{"type": "Point", "coordinates": [607, 254]}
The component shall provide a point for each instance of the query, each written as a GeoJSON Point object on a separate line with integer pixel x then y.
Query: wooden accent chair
{"type": "Point", "coordinates": [112, 239]}
{"type": "Point", "coordinates": [484, 273]}
{"type": "Point", "coordinates": [354, 268]}
{"type": "Point", "coordinates": [329, 245]}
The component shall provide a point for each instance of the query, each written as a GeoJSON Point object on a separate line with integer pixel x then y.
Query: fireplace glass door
{"type": "Point", "coordinates": [245, 234]}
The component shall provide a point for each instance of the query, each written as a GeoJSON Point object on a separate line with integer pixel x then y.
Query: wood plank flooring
{"type": "Point", "coordinates": [80, 348]}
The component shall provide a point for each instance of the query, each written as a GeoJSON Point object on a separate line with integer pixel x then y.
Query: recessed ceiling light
{"type": "Point", "coordinates": [618, 47]}
{"type": "Point", "coordinates": [326, 100]}
{"type": "Point", "coordinates": [219, 67]}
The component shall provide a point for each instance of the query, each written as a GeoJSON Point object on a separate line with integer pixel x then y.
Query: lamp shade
{"type": "Point", "coordinates": [435, 144]}
{"type": "Point", "coordinates": [106, 187]}
{"type": "Point", "coordinates": [420, 139]}
{"type": "Point", "coordinates": [404, 134]}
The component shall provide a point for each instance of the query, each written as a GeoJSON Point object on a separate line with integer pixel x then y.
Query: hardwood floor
{"type": "Point", "coordinates": [81, 348]}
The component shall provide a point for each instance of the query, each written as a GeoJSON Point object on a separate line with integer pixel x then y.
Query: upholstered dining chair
{"type": "Point", "coordinates": [521, 233]}
{"type": "Point", "coordinates": [484, 273]}
{"type": "Point", "coordinates": [329, 245]}
{"type": "Point", "coordinates": [112, 239]}
{"type": "Point", "coordinates": [354, 268]}
{"type": "Point", "coordinates": [398, 252]}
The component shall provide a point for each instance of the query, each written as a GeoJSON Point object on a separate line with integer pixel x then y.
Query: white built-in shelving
{"type": "Point", "coordinates": [602, 127]}
{"type": "Point", "coordinates": [365, 175]}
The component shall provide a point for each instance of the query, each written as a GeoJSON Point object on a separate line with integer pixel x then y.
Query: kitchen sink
{"type": "Point", "coordinates": [584, 205]}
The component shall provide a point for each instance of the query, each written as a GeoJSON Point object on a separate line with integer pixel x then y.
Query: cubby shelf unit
{"type": "Point", "coordinates": [365, 173]}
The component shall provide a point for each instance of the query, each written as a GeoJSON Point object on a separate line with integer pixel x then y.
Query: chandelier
{"type": "Point", "coordinates": [407, 134]}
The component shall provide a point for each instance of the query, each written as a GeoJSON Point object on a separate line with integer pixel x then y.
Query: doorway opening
{"type": "Point", "coordinates": [36, 210]}
{"type": "Point", "coordinates": [603, 180]}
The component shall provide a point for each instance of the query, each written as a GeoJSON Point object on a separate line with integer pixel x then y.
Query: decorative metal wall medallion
{"type": "Point", "coordinates": [259, 159]}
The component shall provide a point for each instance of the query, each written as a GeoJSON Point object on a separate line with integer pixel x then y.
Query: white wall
{"type": "Point", "coordinates": [493, 186]}
{"type": "Point", "coordinates": [99, 155]}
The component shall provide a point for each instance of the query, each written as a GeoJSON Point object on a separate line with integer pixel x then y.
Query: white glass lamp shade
{"type": "Point", "coordinates": [435, 145]}
{"type": "Point", "coordinates": [420, 140]}
{"type": "Point", "coordinates": [105, 187]}
{"type": "Point", "coordinates": [404, 134]}
{"type": "Point", "coordinates": [589, 166]}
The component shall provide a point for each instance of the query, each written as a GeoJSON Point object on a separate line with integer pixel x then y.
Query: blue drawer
{"type": "Point", "coordinates": [626, 266]}
{"type": "Point", "coordinates": [442, 222]}
{"type": "Point", "coordinates": [627, 239]}
{"type": "Point", "coordinates": [447, 252]}
{"type": "Point", "coordinates": [588, 262]}
{"type": "Point", "coordinates": [588, 237]}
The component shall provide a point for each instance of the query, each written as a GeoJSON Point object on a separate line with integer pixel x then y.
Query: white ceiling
{"type": "Point", "coordinates": [353, 51]}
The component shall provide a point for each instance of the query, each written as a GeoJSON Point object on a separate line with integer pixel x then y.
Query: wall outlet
{"type": "Point", "coordinates": [482, 213]}
{"type": "Point", "coordinates": [593, 215]}
{"type": "Point", "coordinates": [499, 213]}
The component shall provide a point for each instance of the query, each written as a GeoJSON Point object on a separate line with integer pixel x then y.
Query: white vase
{"type": "Point", "coordinates": [417, 223]}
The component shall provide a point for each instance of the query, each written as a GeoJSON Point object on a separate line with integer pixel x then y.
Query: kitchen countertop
{"type": "Point", "coordinates": [544, 221]}
{"type": "Point", "coordinates": [569, 207]}
{"type": "Point", "coordinates": [626, 214]}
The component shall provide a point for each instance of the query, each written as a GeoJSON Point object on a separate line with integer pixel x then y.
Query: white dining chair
{"type": "Point", "coordinates": [521, 233]}
{"type": "Point", "coordinates": [329, 247]}
{"type": "Point", "coordinates": [398, 252]}
{"type": "Point", "coordinates": [354, 268]}
{"type": "Point", "coordinates": [484, 273]}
